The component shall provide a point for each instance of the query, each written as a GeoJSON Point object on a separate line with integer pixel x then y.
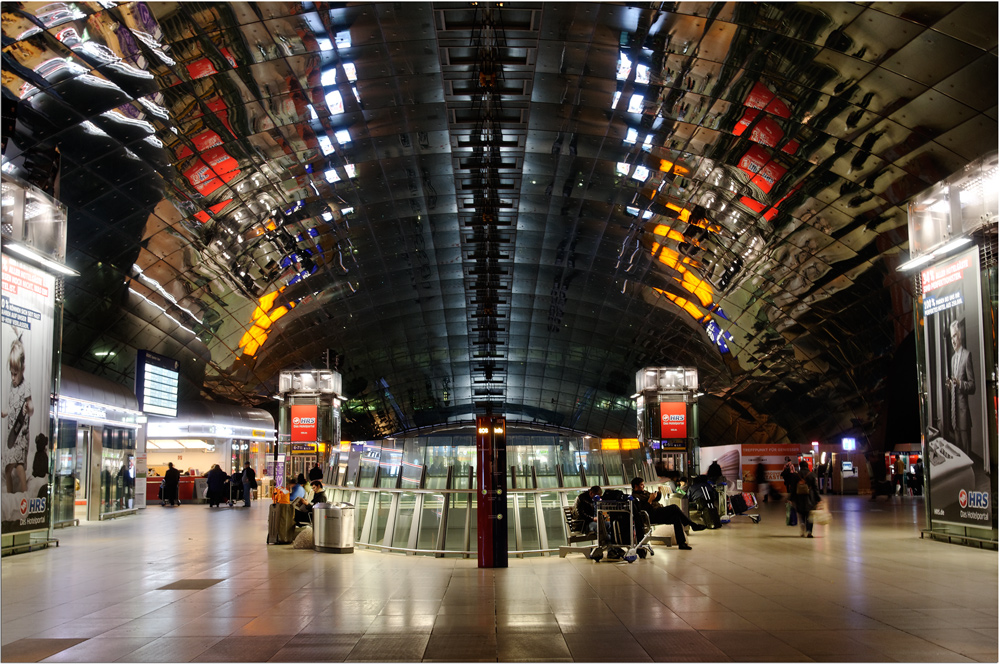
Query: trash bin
{"type": "Point", "coordinates": [333, 527]}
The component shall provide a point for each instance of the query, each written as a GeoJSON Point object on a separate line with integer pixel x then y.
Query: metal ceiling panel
{"type": "Point", "coordinates": [514, 205]}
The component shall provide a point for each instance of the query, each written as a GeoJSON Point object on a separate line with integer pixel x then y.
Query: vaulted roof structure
{"type": "Point", "coordinates": [512, 206]}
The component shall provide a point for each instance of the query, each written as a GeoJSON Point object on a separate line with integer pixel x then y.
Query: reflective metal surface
{"type": "Point", "coordinates": [516, 205]}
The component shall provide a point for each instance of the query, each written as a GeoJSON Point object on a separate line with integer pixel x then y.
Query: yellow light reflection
{"type": "Point", "coordinates": [670, 167]}
{"type": "Point", "coordinates": [261, 320]}
{"type": "Point", "coordinates": [610, 444]}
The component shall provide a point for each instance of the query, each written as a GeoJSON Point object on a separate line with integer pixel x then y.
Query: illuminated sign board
{"type": "Point", "coordinates": [156, 379]}
{"type": "Point", "coordinates": [303, 423]}
{"type": "Point", "coordinates": [673, 419]}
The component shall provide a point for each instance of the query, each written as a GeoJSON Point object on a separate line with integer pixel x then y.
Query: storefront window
{"type": "Point", "coordinates": [117, 470]}
{"type": "Point", "coordinates": [65, 469]}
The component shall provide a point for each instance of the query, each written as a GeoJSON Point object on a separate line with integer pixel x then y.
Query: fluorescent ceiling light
{"type": "Point", "coordinates": [42, 260]}
{"type": "Point", "coordinates": [915, 262]}
{"type": "Point", "coordinates": [954, 244]}
{"type": "Point", "coordinates": [940, 251]}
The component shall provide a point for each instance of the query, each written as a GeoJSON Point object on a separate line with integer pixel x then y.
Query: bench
{"type": "Point", "coordinates": [573, 536]}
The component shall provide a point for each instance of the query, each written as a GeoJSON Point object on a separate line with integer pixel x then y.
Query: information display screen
{"type": "Point", "coordinates": [156, 380]}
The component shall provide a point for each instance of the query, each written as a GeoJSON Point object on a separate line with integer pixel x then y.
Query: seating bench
{"type": "Point", "coordinates": [575, 536]}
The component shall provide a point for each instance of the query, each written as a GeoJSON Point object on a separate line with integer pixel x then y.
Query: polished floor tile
{"type": "Point", "coordinates": [867, 588]}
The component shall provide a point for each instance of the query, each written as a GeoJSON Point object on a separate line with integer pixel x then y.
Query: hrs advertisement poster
{"type": "Point", "coordinates": [25, 385]}
{"type": "Point", "coordinates": [958, 452]}
{"type": "Point", "coordinates": [303, 424]}
{"type": "Point", "coordinates": [673, 419]}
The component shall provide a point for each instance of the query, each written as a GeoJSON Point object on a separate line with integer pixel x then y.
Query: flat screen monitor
{"type": "Point", "coordinates": [156, 379]}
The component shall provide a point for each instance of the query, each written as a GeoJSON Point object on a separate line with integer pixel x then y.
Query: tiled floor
{"type": "Point", "coordinates": [866, 588]}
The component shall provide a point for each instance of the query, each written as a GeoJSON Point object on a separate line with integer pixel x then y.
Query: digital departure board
{"type": "Point", "coordinates": [156, 383]}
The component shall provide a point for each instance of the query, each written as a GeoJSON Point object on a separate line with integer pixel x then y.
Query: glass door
{"type": "Point", "coordinates": [66, 473]}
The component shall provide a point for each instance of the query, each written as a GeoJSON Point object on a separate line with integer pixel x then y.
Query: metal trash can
{"type": "Point", "coordinates": [333, 527]}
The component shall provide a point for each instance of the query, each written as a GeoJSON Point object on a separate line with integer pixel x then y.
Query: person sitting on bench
{"type": "Point", "coordinates": [672, 514]}
{"type": "Point", "coordinates": [303, 510]}
{"type": "Point", "coordinates": [584, 510]}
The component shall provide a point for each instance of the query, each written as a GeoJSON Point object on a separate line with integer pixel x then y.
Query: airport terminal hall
{"type": "Point", "coordinates": [499, 331]}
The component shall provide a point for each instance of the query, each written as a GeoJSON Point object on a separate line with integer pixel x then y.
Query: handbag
{"type": "Point", "coordinates": [820, 516]}
{"type": "Point", "coordinates": [791, 517]}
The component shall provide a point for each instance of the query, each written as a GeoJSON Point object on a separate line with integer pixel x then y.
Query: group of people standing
{"type": "Point", "coordinates": [217, 481]}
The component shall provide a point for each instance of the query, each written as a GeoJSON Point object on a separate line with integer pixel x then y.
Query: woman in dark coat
{"type": "Point", "coordinates": [217, 480]}
{"type": "Point", "coordinates": [805, 496]}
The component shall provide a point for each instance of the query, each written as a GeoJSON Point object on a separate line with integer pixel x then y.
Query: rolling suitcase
{"type": "Point", "coordinates": [280, 524]}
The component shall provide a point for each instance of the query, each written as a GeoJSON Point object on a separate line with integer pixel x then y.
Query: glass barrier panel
{"type": "Point", "coordinates": [430, 521]}
{"type": "Point", "coordinates": [404, 519]}
{"type": "Point", "coordinates": [553, 518]}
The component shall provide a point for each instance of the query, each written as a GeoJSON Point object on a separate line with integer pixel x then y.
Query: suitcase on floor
{"type": "Point", "coordinates": [280, 524]}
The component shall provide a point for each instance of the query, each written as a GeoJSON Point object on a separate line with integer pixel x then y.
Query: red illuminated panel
{"type": "Point", "coordinates": [673, 419]}
{"type": "Point", "coordinates": [203, 67]}
{"type": "Point", "coordinates": [766, 131]}
{"type": "Point", "coordinates": [203, 216]}
{"type": "Point", "coordinates": [303, 424]}
{"type": "Point", "coordinates": [761, 97]}
{"type": "Point", "coordinates": [763, 171]}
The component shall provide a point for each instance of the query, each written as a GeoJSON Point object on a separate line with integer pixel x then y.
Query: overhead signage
{"type": "Point", "coordinates": [673, 419]}
{"type": "Point", "coordinates": [303, 423]}
{"type": "Point", "coordinates": [156, 379]}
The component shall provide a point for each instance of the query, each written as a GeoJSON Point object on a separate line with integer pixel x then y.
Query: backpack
{"type": "Point", "coordinates": [802, 488]}
{"type": "Point", "coordinates": [614, 494]}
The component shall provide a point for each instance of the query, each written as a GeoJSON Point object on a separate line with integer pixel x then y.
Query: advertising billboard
{"type": "Point", "coordinates": [673, 419]}
{"type": "Point", "coordinates": [25, 385]}
{"type": "Point", "coordinates": [303, 424]}
{"type": "Point", "coordinates": [958, 450]}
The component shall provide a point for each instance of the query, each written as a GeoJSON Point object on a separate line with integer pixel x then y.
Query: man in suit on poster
{"type": "Point", "coordinates": [961, 383]}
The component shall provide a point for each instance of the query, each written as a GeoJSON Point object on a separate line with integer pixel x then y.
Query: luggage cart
{"type": "Point", "coordinates": [702, 498]}
{"type": "Point", "coordinates": [235, 492]}
{"type": "Point", "coordinates": [621, 535]}
{"type": "Point", "coordinates": [722, 500]}
{"type": "Point", "coordinates": [738, 504]}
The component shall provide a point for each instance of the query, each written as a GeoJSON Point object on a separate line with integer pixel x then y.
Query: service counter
{"type": "Point", "coordinates": [189, 489]}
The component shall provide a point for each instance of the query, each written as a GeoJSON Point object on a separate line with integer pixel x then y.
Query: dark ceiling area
{"type": "Point", "coordinates": [503, 206]}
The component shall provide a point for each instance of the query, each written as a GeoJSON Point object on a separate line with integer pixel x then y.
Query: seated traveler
{"type": "Point", "coordinates": [299, 489]}
{"type": "Point", "coordinates": [672, 514]}
{"type": "Point", "coordinates": [303, 509]}
{"type": "Point", "coordinates": [585, 512]}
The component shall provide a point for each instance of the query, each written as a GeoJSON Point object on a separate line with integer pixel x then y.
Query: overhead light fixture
{"type": "Point", "coordinates": [940, 251]}
{"type": "Point", "coordinates": [915, 262]}
{"type": "Point", "coordinates": [636, 395]}
{"type": "Point", "coordinates": [951, 246]}
{"type": "Point", "coordinates": [30, 254]}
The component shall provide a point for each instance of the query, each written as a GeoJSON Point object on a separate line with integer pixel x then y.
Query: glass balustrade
{"type": "Point", "coordinates": [418, 495]}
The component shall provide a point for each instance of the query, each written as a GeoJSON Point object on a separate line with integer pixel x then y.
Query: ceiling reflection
{"type": "Point", "coordinates": [457, 204]}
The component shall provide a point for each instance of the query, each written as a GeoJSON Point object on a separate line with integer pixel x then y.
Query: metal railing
{"type": "Point", "coordinates": [442, 522]}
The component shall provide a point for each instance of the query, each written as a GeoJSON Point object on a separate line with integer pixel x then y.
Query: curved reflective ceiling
{"type": "Point", "coordinates": [516, 206]}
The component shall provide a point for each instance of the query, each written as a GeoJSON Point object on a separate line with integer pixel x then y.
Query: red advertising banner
{"type": "Point", "coordinates": [673, 419]}
{"type": "Point", "coordinates": [303, 424]}
{"type": "Point", "coordinates": [773, 458]}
